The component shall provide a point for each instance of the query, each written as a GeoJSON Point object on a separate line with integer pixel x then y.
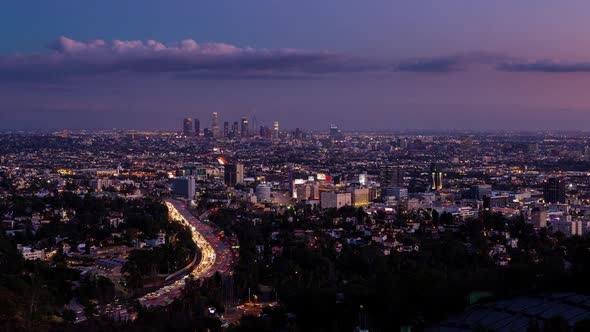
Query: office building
{"type": "Point", "coordinates": [554, 190]}
{"type": "Point", "coordinates": [184, 186]}
{"type": "Point", "coordinates": [197, 127]}
{"type": "Point", "coordinates": [539, 216]}
{"type": "Point", "coordinates": [187, 127]}
{"type": "Point", "coordinates": [233, 174]}
{"type": "Point", "coordinates": [234, 129]}
{"type": "Point", "coordinates": [265, 132]}
{"type": "Point", "coordinates": [397, 192]}
{"type": "Point", "coordinates": [303, 191]}
{"type": "Point", "coordinates": [225, 129]}
{"type": "Point", "coordinates": [481, 190]}
{"type": "Point", "coordinates": [332, 199]}
{"type": "Point", "coordinates": [215, 124]}
{"type": "Point", "coordinates": [298, 135]}
{"type": "Point", "coordinates": [262, 193]}
{"type": "Point", "coordinates": [390, 176]}
{"type": "Point", "coordinates": [275, 132]}
{"type": "Point", "coordinates": [335, 133]}
{"type": "Point", "coordinates": [363, 179]}
{"type": "Point", "coordinates": [360, 197]}
{"type": "Point", "coordinates": [244, 130]}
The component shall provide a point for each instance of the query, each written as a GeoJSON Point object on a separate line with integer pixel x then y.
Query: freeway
{"type": "Point", "coordinates": [215, 256]}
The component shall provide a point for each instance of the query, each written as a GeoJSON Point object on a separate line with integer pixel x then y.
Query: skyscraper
{"type": "Point", "coordinates": [197, 127]}
{"type": "Point", "coordinates": [265, 132]}
{"type": "Point", "coordinates": [554, 190]}
{"type": "Point", "coordinates": [233, 174]}
{"type": "Point", "coordinates": [215, 124]}
{"type": "Point", "coordinates": [225, 129]}
{"type": "Point", "coordinates": [335, 133]}
{"type": "Point", "coordinates": [275, 133]}
{"type": "Point", "coordinates": [187, 127]}
{"type": "Point", "coordinates": [253, 126]}
{"type": "Point", "coordinates": [244, 128]}
{"type": "Point", "coordinates": [234, 129]}
{"type": "Point", "coordinates": [436, 177]}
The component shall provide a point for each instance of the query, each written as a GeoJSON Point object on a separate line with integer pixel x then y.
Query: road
{"type": "Point", "coordinates": [215, 256]}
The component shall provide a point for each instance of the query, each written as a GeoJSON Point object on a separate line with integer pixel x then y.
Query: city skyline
{"type": "Point", "coordinates": [264, 165]}
{"type": "Point", "coordinates": [388, 65]}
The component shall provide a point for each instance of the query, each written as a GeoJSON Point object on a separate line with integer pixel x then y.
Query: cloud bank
{"type": "Point", "coordinates": [545, 66]}
{"type": "Point", "coordinates": [68, 58]}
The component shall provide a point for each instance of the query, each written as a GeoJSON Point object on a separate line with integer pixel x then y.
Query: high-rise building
{"type": "Point", "coordinates": [225, 129]}
{"type": "Point", "coordinates": [184, 186]}
{"type": "Point", "coordinates": [436, 177]}
{"type": "Point", "coordinates": [197, 127]}
{"type": "Point", "coordinates": [390, 176]}
{"type": "Point", "coordinates": [215, 124]}
{"type": "Point", "coordinates": [275, 132]}
{"type": "Point", "coordinates": [244, 132]}
{"type": "Point", "coordinates": [234, 129]}
{"type": "Point", "coordinates": [187, 127]}
{"type": "Point", "coordinates": [554, 190]}
{"type": "Point", "coordinates": [253, 125]}
{"type": "Point", "coordinates": [233, 174]}
{"type": "Point", "coordinates": [335, 133]}
{"type": "Point", "coordinates": [265, 132]}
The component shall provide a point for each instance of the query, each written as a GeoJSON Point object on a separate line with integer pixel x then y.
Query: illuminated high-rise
{"type": "Point", "coordinates": [275, 132]}
{"type": "Point", "coordinates": [244, 129]}
{"type": "Point", "coordinates": [436, 177]}
{"type": "Point", "coordinates": [215, 124]}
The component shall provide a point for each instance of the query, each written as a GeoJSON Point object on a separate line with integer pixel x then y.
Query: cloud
{"type": "Point", "coordinates": [544, 66]}
{"type": "Point", "coordinates": [70, 58]}
{"type": "Point", "coordinates": [66, 58]}
{"type": "Point", "coordinates": [451, 63]}
{"type": "Point", "coordinates": [431, 65]}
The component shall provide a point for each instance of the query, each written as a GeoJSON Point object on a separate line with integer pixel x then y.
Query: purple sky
{"type": "Point", "coordinates": [374, 64]}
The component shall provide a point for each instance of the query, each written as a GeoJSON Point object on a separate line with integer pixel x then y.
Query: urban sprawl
{"type": "Point", "coordinates": [296, 229]}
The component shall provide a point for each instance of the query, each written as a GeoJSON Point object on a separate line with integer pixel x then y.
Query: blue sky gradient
{"type": "Point", "coordinates": [453, 64]}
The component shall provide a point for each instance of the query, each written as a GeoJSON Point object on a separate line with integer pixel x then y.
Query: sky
{"type": "Point", "coordinates": [373, 64]}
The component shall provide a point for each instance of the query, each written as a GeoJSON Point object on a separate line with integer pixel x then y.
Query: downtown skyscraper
{"type": "Point", "coordinates": [215, 124]}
